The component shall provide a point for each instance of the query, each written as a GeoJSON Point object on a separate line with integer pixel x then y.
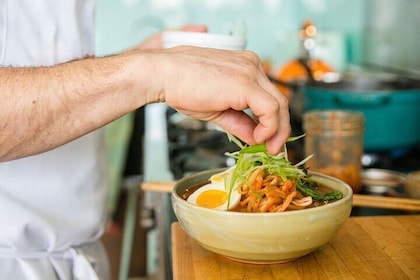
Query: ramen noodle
{"type": "Point", "coordinates": [266, 183]}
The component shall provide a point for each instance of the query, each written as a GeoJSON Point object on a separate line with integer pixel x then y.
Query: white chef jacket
{"type": "Point", "coordinates": [52, 205]}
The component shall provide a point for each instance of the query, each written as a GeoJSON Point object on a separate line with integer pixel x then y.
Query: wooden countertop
{"type": "Point", "coordinates": [375, 247]}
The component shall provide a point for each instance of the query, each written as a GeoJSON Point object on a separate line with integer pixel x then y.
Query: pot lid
{"type": "Point", "coordinates": [382, 180]}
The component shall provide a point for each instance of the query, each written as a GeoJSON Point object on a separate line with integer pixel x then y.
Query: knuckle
{"type": "Point", "coordinates": [284, 102]}
{"type": "Point", "coordinates": [251, 56]}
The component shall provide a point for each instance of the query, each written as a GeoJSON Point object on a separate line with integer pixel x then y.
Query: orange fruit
{"type": "Point", "coordinates": [295, 71]}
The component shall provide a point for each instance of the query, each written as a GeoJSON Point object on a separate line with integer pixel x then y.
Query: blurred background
{"type": "Point", "coordinates": [351, 34]}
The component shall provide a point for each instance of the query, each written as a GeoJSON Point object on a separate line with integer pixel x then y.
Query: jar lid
{"type": "Point", "coordinates": [336, 120]}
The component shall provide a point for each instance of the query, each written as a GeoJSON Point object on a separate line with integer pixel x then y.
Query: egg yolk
{"type": "Point", "coordinates": [212, 198]}
{"type": "Point", "coordinates": [217, 179]}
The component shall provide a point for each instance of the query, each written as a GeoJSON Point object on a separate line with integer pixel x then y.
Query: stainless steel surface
{"type": "Point", "coordinates": [156, 167]}
{"type": "Point", "coordinates": [381, 180]}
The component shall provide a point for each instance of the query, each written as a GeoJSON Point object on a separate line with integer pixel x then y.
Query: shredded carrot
{"type": "Point", "coordinates": [269, 193]}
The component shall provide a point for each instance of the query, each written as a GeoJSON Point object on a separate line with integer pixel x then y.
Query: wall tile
{"type": "Point", "coordinates": [271, 25]}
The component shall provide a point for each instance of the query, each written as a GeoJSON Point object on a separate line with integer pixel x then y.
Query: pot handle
{"type": "Point", "coordinates": [362, 99]}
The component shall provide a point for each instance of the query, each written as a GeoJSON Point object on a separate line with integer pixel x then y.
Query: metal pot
{"type": "Point", "coordinates": [391, 107]}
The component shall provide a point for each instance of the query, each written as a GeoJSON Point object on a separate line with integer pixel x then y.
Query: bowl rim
{"type": "Point", "coordinates": [203, 38]}
{"type": "Point", "coordinates": [345, 199]}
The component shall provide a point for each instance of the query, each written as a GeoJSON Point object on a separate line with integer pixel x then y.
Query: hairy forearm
{"type": "Point", "coordinates": [44, 107]}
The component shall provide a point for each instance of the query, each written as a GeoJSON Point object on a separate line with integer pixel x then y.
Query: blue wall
{"type": "Point", "coordinates": [271, 25]}
{"type": "Point", "coordinates": [392, 34]}
{"type": "Point", "coordinates": [350, 31]}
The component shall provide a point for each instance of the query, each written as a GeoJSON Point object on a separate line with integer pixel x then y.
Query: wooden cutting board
{"type": "Point", "coordinates": [380, 247]}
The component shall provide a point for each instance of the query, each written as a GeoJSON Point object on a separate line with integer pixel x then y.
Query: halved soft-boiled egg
{"type": "Point", "coordinates": [222, 176]}
{"type": "Point", "coordinates": [215, 196]}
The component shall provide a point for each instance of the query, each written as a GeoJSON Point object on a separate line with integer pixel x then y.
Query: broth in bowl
{"type": "Point", "coordinates": [242, 207]}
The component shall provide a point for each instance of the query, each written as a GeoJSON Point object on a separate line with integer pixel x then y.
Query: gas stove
{"type": "Point", "coordinates": [195, 146]}
{"type": "Point", "coordinates": [402, 160]}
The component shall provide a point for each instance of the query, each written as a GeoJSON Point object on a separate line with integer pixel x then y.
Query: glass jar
{"type": "Point", "coordinates": [412, 184]}
{"type": "Point", "coordinates": [335, 139]}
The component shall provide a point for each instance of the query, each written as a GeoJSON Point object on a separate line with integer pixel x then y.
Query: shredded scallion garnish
{"type": "Point", "coordinates": [250, 158]}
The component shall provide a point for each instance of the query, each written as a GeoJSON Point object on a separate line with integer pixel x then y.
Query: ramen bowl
{"type": "Point", "coordinates": [262, 238]}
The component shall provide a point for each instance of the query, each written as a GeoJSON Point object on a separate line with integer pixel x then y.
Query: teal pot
{"type": "Point", "coordinates": [391, 108]}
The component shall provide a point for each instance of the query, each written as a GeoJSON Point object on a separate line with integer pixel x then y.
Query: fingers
{"type": "Point", "coordinates": [273, 119]}
{"type": "Point", "coordinates": [273, 126]}
{"type": "Point", "coordinates": [215, 85]}
{"type": "Point", "coordinates": [270, 123]}
{"type": "Point", "coordinates": [239, 124]}
{"type": "Point", "coordinates": [275, 143]}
